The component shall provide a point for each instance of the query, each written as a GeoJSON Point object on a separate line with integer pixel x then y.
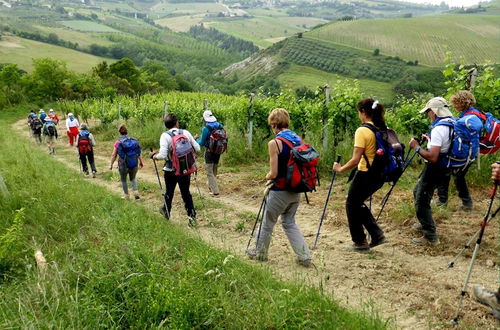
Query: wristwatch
{"type": "Point", "coordinates": [417, 149]}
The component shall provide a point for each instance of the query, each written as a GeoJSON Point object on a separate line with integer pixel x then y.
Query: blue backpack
{"type": "Point", "coordinates": [464, 134]}
{"type": "Point", "coordinates": [389, 155]}
{"type": "Point", "coordinates": [129, 150]}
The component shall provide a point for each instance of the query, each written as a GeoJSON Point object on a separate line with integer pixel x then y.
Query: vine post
{"type": "Point", "coordinates": [326, 91]}
{"type": "Point", "coordinates": [165, 109]}
{"type": "Point", "coordinates": [250, 122]}
{"type": "Point", "coordinates": [102, 109]}
{"type": "Point", "coordinates": [119, 113]}
{"type": "Point", "coordinates": [205, 104]}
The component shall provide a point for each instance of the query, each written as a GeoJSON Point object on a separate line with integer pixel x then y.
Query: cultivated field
{"type": "Point", "coordinates": [82, 38]}
{"type": "Point", "coordinates": [88, 26]}
{"type": "Point", "coordinates": [22, 51]}
{"type": "Point", "coordinates": [180, 23]}
{"type": "Point", "coordinates": [473, 38]}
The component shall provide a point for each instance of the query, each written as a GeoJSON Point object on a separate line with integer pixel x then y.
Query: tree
{"type": "Point", "coordinates": [376, 52]}
{"type": "Point", "coordinates": [10, 78]}
{"type": "Point", "coordinates": [47, 81]}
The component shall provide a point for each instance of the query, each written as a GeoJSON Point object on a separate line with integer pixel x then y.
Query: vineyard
{"type": "Point", "coordinates": [342, 61]}
{"type": "Point", "coordinates": [473, 38]}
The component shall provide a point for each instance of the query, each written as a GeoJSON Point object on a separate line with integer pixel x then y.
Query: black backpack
{"type": "Point", "coordinates": [36, 124]}
{"type": "Point", "coordinates": [51, 130]}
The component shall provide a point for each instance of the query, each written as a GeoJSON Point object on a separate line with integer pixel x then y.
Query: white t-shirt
{"type": "Point", "coordinates": [440, 137]}
{"type": "Point", "coordinates": [166, 146]}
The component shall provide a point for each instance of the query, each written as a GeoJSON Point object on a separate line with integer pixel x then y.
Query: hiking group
{"type": "Point", "coordinates": [448, 150]}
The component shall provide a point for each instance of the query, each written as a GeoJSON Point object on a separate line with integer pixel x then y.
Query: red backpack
{"type": "Point", "coordinates": [490, 140]}
{"type": "Point", "coordinates": [218, 141]}
{"type": "Point", "coordinates": [183, 155]}
{"type": "Point", "coordinates": [301, 174]}
{"type": "Point", "coordinates": [84, 145]}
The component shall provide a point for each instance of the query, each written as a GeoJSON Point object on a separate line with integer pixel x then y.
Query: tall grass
{"type": "Point", "coordinates": [113, 264]}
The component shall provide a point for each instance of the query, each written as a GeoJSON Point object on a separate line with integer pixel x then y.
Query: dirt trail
{"type": "Point", "coordinates": [409, 284]}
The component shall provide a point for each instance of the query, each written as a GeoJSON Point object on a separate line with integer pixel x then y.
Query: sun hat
{"type": "Point", "coordinates": [208, 116]}
{"type": "Point", "coordinates": [70, 114]}
{"type": "Point", "coordinates": [51, 110]}
{"type": "Point", "coordinates": [41, 110]}
{"type": "Point", "coordinates": [439, 106]}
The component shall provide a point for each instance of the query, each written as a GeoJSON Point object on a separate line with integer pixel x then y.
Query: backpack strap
{"type": "Point", "coordinates": [282, 139]}
{"type": "Point", "coordinates": [476, 112]}
{"type": "Point", "coordinates": [374, 130]}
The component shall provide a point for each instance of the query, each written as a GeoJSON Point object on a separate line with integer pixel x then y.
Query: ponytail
{"type": "Point", "coordinates": [373, 110]}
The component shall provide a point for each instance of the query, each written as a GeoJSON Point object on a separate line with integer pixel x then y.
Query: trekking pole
{"type": "Point", "coordinates": [307, 198]}
{"type": "Point", "coordinates": [469, 242]}
{"type": "Point", "coordinates": [256, 220]}
{"type": "Point", "coordinates": [163, 195]}
{"type": "Point", "coordinates": [198, 188]}
{"type": "Point", "coordinates": [269, 184]}
{"type": "Point", "coordinates": [388, 194]}
{"type": "Point", "coordinates": [326, 204]}
{"type": "Point", "coordinates": [454, 321]}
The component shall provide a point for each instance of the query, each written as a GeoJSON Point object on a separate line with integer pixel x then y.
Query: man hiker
{"type": "Point", "coordinates": [72, 125]}
{"type": "Point", "coordinates": [53, 116]}
{"type": "Point", "coordinates": [177, 148]}
{"type": "Point", "coordinates": [439, 143]}
{"type": "Point", "coordinates": [211, 134]}
{"type": "Point", "coordinates": [85, 143]}
{"type": "Point", "coordinates": [31, 116]}
{"type": "Point", "coordinates": [42, 116]}
{"type": "Point", "coordinates": [36, 128]}
{"type": "Point", "coordinates": [464, 102]}
{"type": "Point", "coordinates": [50, 134]}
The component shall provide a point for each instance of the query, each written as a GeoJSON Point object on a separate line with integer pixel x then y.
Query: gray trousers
{"type": "Point", "coordinates": [132, 172]}
{"type": "Point", "coordinates": [284, 204]}
{"type": "Point", "coordinates": [211, 169]}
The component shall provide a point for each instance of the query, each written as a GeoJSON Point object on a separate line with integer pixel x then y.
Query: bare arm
{"type": "Point", "coordinates": [113, 158]}
{"type": "Point", "coordinates": [273, 159]}
{"type": "Point", "coordinates": [357, 153]}
{"type": "Point", "coordinates": [432, 155]}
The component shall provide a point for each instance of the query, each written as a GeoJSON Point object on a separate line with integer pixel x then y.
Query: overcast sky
{"type": "Point", "coordinates": [454, 3]}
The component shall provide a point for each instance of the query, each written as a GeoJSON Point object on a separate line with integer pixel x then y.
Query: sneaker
{"type": "Point", "coordinates": [378, 241]}
{"type": "Point", "coordinates": [488, 298]}
{"type": "Point", "coordinates": [305, 262]}
{"type": "Point", "coordinates": [361, 248]}
{"type": "Point", "coordinates": [421, 241]}
{"type": "Point", "coordinates": [192, 221]}
{"type": "Point", "coordinates": [417, 227]}
{"type": "Point", "coordinates": [136, 196]}
{"type": "Point", "coordinates": [86, 174]}
{"type": "Point", "coordinates": [252, 254]}
{"type": "Point", "coordinates": [93, 174]}
{"type": "Point", "coordinates": [164, 212]}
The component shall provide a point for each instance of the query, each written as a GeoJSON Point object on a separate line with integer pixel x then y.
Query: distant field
{"type": "Point", "coordinates": [180, 23]}
{"type": "Point", "coordinates": [299, 76]}
{"type": "Point", "coordinates": [22, 51]}
{"type": "Point", "coordinates": [87, 26]}
{"type": "Point", "coordinates": [187, 8]}
{"type": "Point", "coordinates": [475, 38]}
{"type": "Point", "coordinates": [82, 38]}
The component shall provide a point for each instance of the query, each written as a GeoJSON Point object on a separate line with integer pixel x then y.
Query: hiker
{"type": "Point", "coordinates": [438, 142]}
{"type": "Point", "coordinates": [462, 101]}
{"type": "Point", "coordinates": [53, 116]}
{"type": "Point", "coordinates": [72, 125]}
{"type": "Point", "coordinates": [483, 295]}
{"type": "Point", "coordinates": [36, 128]}
{"type": "Point", "coordinates": [366, 180]}
{"type": "Point", "coordinates": [130, 160]}
{"type": "Point", "coordinates": [31, 116]}
{"type": "Point", "coordinates": [42, 115]}
{"type": "Point", "coordinates": [280, 202]}
{"type": "Point", "coordinates": [179, 164]}
{"type": "Point", "coordinates": [85, 143]}
{"type": "Point", "coordinates": [213, 138]}
{"type": "Point", "coordinates": [50, 134]}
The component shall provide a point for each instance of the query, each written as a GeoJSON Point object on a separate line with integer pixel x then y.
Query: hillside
{"type": "Point", "coordinates": [21, 51]}
{"type": "Point", "coordinates": [473, 38]}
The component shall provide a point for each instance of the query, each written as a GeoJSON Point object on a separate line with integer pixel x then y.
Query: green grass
{"type": "Point", "coordinates": [180, 23]}
{"type": "Point", "coordinates": [113, 264]}
{"type": "Point", "coordinates": [188, 8]}
{"type": "Point", "coordinates": [87, 26]}
{"type": "Point", "coordinates": [22, 51]}
{"type": "Point", "coordinates": [297, 76]}
{"type": "Point", "coordinates": [475, 38]}
{"type": "Point", "coordinates": [82, 38]}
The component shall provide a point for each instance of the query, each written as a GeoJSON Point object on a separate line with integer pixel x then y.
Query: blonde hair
{"type": "Point", "coordinates": [463, 100]}
{"type": "Point", "coordinates": [279, 118]}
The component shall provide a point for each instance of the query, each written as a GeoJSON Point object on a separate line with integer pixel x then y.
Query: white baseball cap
{"type": "Point", "coordinates": [439, 106]}
{"type": "Point", "coordinates": [208, 116]}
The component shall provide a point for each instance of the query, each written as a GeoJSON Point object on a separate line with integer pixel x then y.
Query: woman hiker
{"type": "Point", "coordinates": [281, 202]}
{"type": "Point", "coordinates": [365, 182]}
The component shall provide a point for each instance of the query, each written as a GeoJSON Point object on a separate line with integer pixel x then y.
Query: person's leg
{"type": "Point", "coordinates": [90, 156]}
{"type": "Point", "coordinates": [83, 160]}
{"type": "Point", "coordinates": [462, 189]}
{"type": "Point", "coordinates": [291, 229]}
{"type": "Point", "coordinates": [170, 183]}
{"type": "Point", "coordinates": [358, 214]}
{"type": "Point", "coordinates": [442, 189]}
{"type": "Point", "coordinates": [274, 206]}
{"type": "Point", "coordinates": [212, 183]}
{"type": "Point", "coordinates": [123, 178]}
{"type": "Point", "coordinates": [184, 183]}
{"type": "Point", "coordinates": [423, 193]}
{"type": "Point", "coordinates": [132, 172]}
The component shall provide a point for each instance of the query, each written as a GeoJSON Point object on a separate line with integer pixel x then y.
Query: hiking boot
{"type": "Point", "coordinates": [93, 174]}
{"type": "Point", "coordinates": [163, 212]}
{"type": "Point", "coordinates": [466, 207]}
{"type": "Point", "coordinates": [86, 174]}
{"type": "Point", "coordinates": [417, 227]}
{"type": "Point", "coordinates": [361, 248]}
{"type": "Point", "coordinates": [304, 262]}
{"type": "Point", "coordinates": [192, 221]}
{"type": "Point", "coordinates": [488, 298]}
{"type": "Point", "coordinates": [422, 241]}
{"type": "Point", "coordinates": [136, 196]}
{"type": "Point", "coordinates": [378, 241]}
{"type": "Point", "coordinates": [252, 254]}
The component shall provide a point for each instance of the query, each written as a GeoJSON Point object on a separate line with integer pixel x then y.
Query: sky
{"type": "Point", "coordinates": [453, 3]}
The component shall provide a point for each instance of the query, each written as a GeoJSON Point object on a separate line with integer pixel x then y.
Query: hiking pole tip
{"type": "Point", "coordinates": [451, 264]}
{"type": "Point", "coordinates": [454, 322]}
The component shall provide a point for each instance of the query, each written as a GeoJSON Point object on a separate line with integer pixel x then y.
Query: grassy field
{"type": "Point", "coordinates": [475, 38]}
{"type": "Point", "coordinates": [188, 8]}
{"type": "Point", "coordinates": [119, 265]}
{"type": "Point", "coordinates": [180, 23]}
{"type": "Point", "coordinates": [22, 51]}
{"type": "Point", "coordinates": [82, 38]}
{"type": "Point", "coordinates": [87, 26]}
{"type": "Point", "coordinates": [299, 76]}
